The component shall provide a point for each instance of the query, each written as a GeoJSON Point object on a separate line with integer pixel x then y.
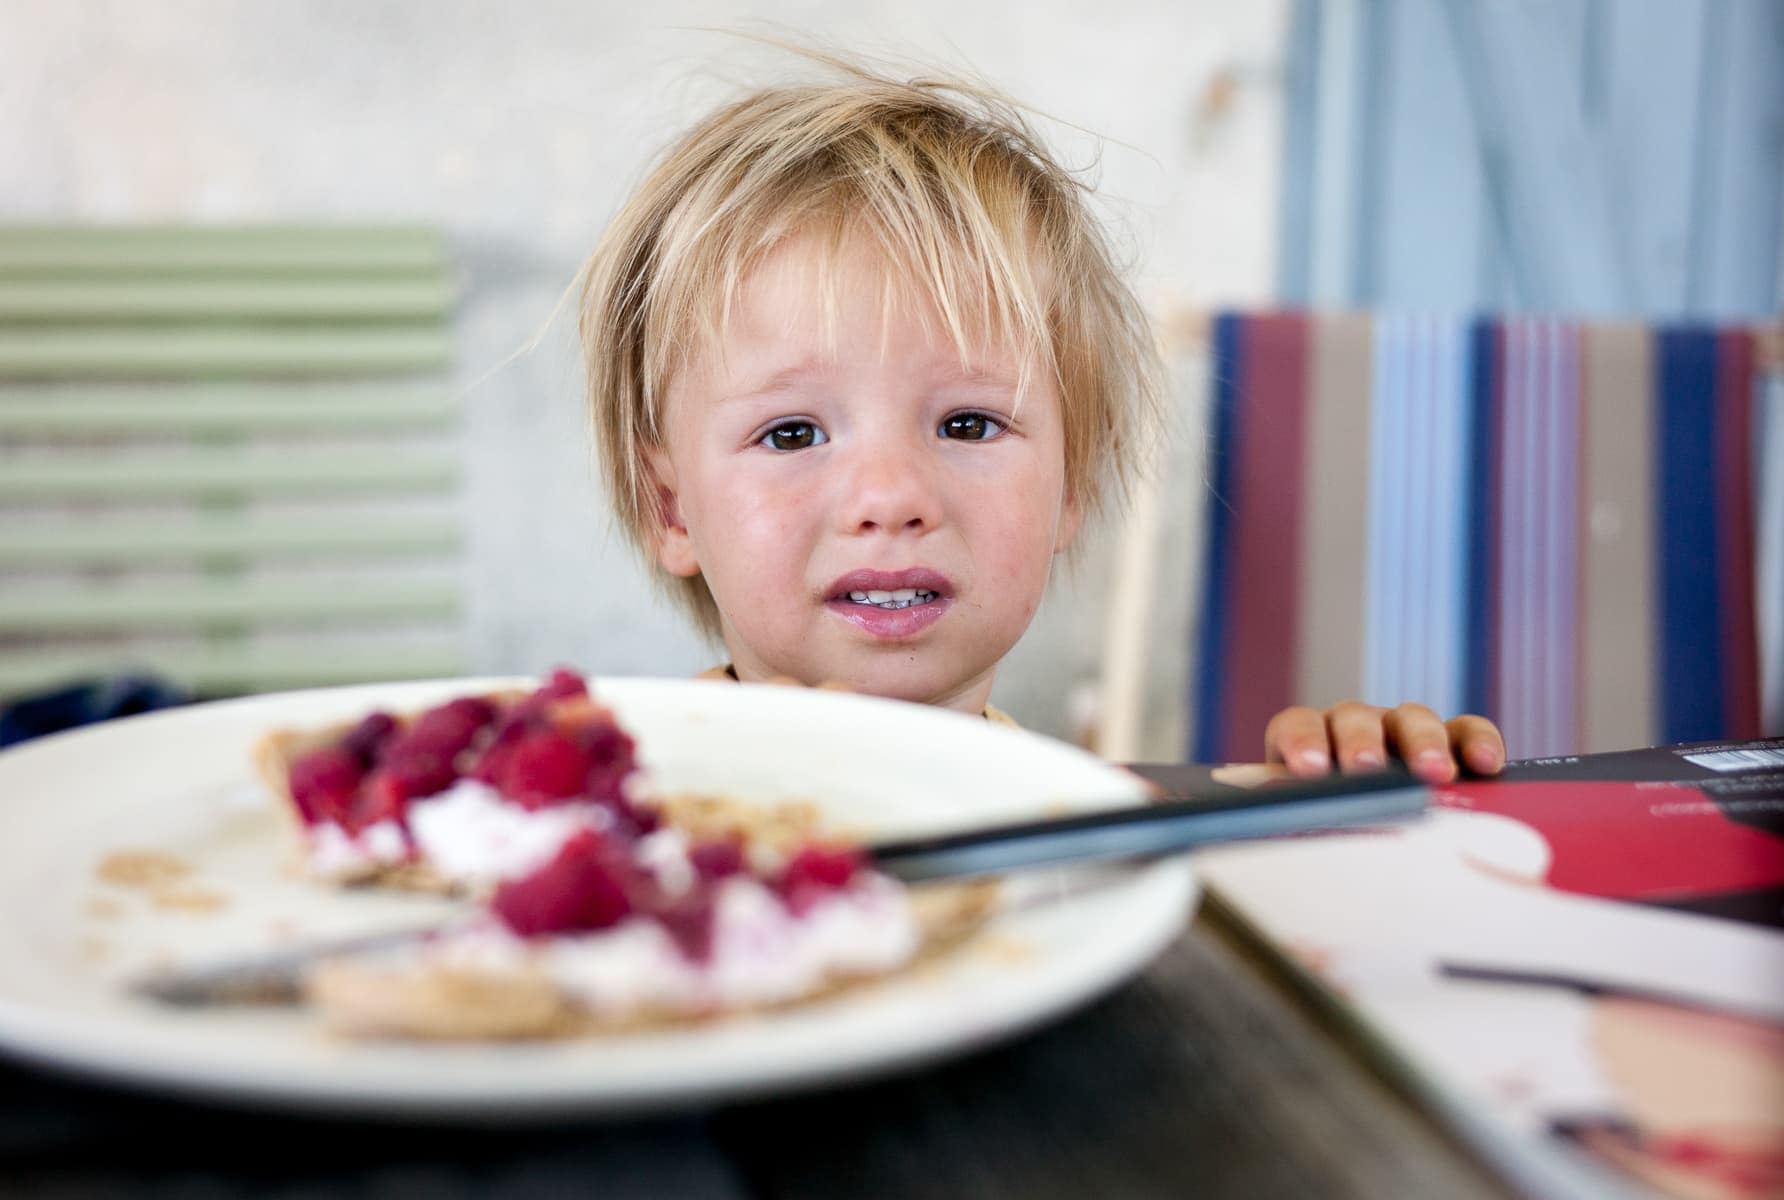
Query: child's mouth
{"type": "Point", "coordinates": [892, 606]}
{"type": "Point", "coordinates": [902, 598]}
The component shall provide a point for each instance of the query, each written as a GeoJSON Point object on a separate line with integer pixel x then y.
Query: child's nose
{"type": "Point", "coordinates": [890, 490]}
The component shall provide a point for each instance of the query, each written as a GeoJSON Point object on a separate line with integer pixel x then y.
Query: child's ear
{"type": "Point", "coordinates": [674, 548]}
{"type": "Point", "coordinates": [1071, 519]}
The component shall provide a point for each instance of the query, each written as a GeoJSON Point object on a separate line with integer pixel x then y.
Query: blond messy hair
{"type": "Point", "coordinates": [949, 182]}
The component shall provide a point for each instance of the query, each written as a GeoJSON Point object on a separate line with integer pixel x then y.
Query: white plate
{"type": "Point", "coordinates": [179, 783]}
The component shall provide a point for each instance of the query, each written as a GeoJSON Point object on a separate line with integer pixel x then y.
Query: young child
{"type": "Point", "coordinates": [861, 365]}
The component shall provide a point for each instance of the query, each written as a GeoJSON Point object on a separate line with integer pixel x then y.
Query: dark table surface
{"type": "Point", "coordinates": [1208, 1074]}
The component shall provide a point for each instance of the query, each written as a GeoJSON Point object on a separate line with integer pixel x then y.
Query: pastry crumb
{"type": "Point", "coordinates": [104, 908]}
{"type": "Point", "coordinates": [142, 869]}
{"type": "Point", "coordinates": [188, 899]}
{"type": "Point", "coordinates": [1001, 948]}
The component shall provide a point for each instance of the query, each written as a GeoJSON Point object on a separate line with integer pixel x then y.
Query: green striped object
{"type": "Point", "coordinates": [186, 251]}
{"type": "Point", "coordinates": [46, 301]}
{"type": "Point", "coordinates": [223, 603]}
{"type": "Point", "coordinates": [219, 351]}
{"type": "Point", "coordinates": [206, 370]}
{"type": "Point", "coordinates": [133, 541]}
{"type": "Point", "coordinates": [199, 473]}
{"type": "Point", "coordinates": [227, 669]}
{"type": "Point", "coordinates": [230, 409]}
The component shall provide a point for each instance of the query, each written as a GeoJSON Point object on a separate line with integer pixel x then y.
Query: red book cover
{"type": "Point", "coordinates": [1580, 964]}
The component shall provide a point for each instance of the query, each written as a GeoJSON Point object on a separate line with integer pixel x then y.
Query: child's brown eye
{"type": "Point", "coordinates": [971, 427]}
{"type": "Point", "coordinates": [794, 435]}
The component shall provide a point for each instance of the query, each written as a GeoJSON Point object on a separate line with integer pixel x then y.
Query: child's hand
{"type": "Point", "coordinates": [1359, 737]}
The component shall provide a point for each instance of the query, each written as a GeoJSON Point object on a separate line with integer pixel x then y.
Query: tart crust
{"type": "Point", "coordinates": [361, 998]}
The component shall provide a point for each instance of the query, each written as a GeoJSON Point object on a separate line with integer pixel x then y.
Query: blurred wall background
{"type": "Point", "coordinates": [519, 128]}
{"type": "Point", "coordinates": [1585, 157]}
{"type": "Point", "coordinates": [1590, 157]}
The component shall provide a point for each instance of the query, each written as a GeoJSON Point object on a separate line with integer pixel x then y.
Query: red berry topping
{"type": "Point", "coordinates": [368, 737]}
{"type": "Point", "coordinates": [815, 872]}
{"type": "Point", "coordinates": [689, 920]}
{"type": "Point", "coordinates": [473, 708]}
{"type": "Point", "coordinates": [563, 684]}
{"type": "Point", "coordinates": [633, 820]}
{"type": "Point", "coordinates": [611, 756]}
{"type": "Point", "coordinates": [828, 866]}
{"type": "Point", "coordinates": [383, 798]}
{"type": "Point", "coordinates": [419, 772]}
{"type": "Point", "coordinates": [445, 730]}
{"type": "Point", "coordinates": [544, 767]}
{"type": "Point", "coordinates": [582, 887]}
{"type": "Point", "coordinates": [717, 860]}
{"type": "Point", "coordinates": [323, 783]}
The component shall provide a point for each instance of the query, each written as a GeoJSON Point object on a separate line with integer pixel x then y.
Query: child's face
{"type": "Point", "coordinates": [796, 478]}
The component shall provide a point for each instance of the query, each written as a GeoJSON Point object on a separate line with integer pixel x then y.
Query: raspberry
{"type": "Point", "coordinates": [493, 766]}
{"type": "Point", "coordinates": [582, 887]}
{"type": "Point", "coordinates": [419, 772]}
{"type": "Point", "coordinates": [633, 820]}
{"type": "Point", "coordinates": [563, 684]}
{"type": "Point", "coordinates": [814, 873]}
{"type": "Point", "coordinates": [369, 736]}
{"type": "Point", "coordinates": [829, 867]}
{"type": "Point", "coordinates": [475, 709]}
{"type": "Point", "coordinates": [689, 920]}
{"type": "Point", "coordinates": [612, 761]}
{"type": "Point", "coordinates": [717, 860]}
{"type": "Point", "coordinates": [381, 799]}
{"type": "Point", "coordinates": [323, 782]}
{"type": "Point", "coordinates": [543, 767]}
{"type": "Point", "coordinates": [448, 729]}
{"type": "Point", "coordinates": [514, 725]}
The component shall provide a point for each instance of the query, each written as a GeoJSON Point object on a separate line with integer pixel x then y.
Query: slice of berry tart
{"type": "Point", "coordinates": [602, 905]}
{"type": "Point", "coordinates": [461, 796]}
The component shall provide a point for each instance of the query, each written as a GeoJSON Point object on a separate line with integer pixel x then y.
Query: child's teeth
{"type": "Point", "coordinates": [902, 598]}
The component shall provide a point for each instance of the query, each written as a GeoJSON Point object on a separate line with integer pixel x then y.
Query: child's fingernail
{"type": "Point", "coordinates": [1485, 760]}
{"type": "Point", "coordinates": [1313, 759]}
{"type": "Point", "coordinates": [1435, 765]}
{"type": "Point", "coordinates": [1369, 758]}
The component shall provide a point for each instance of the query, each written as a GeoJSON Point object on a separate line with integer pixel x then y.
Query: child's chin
{"type": "Point", "coordinates": [918, 683]}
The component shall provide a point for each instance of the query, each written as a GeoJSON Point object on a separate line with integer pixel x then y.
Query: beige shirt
{"type": "Point", "coordinates": [993, 714]}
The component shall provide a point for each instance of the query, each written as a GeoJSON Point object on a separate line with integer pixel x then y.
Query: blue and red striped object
{"type": "Point", "coordinates": [1550, 522]}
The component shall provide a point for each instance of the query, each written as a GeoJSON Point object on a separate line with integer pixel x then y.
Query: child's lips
{"type": "Point", "coordinates": [891, 624]}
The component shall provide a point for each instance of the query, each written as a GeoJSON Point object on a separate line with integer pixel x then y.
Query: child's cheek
{"type": "Point", "coordinates": [764, 528]}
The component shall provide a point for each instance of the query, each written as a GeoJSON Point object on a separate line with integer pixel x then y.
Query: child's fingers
{"type": "Point", "coordinates": [1478, 743]}
{"type": "Point", "coordinates": [1297, 737]}
{"type": "Point", "coordinates": [1357, 735]}
{"type": "Point", "coordinates": [1419, 737]}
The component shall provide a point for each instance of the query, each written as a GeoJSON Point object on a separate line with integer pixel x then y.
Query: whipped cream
{"type": "Point", "coordinates": [761, 953]}
{"type": "Point", "coordinates": [471, 835]}
{"type": "Point", "coordinates": [665, 855]}
{"type": "Point", "coordinates": [336, 854]}
{"type": "Point", "coordinates": [468, 834]}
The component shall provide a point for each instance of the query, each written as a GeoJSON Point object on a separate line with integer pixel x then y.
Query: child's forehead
{"type": "Point", "coordinates": [809, 302]}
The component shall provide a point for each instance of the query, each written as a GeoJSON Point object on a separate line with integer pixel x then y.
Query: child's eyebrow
{"type": "Point", "coordinates": [983, 377]}
{"type": "Point", "coordinates": [782, 380]}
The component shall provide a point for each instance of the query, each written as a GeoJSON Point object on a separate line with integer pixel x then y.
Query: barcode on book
{"type": "Point", "coordinates": [1739, 760]}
